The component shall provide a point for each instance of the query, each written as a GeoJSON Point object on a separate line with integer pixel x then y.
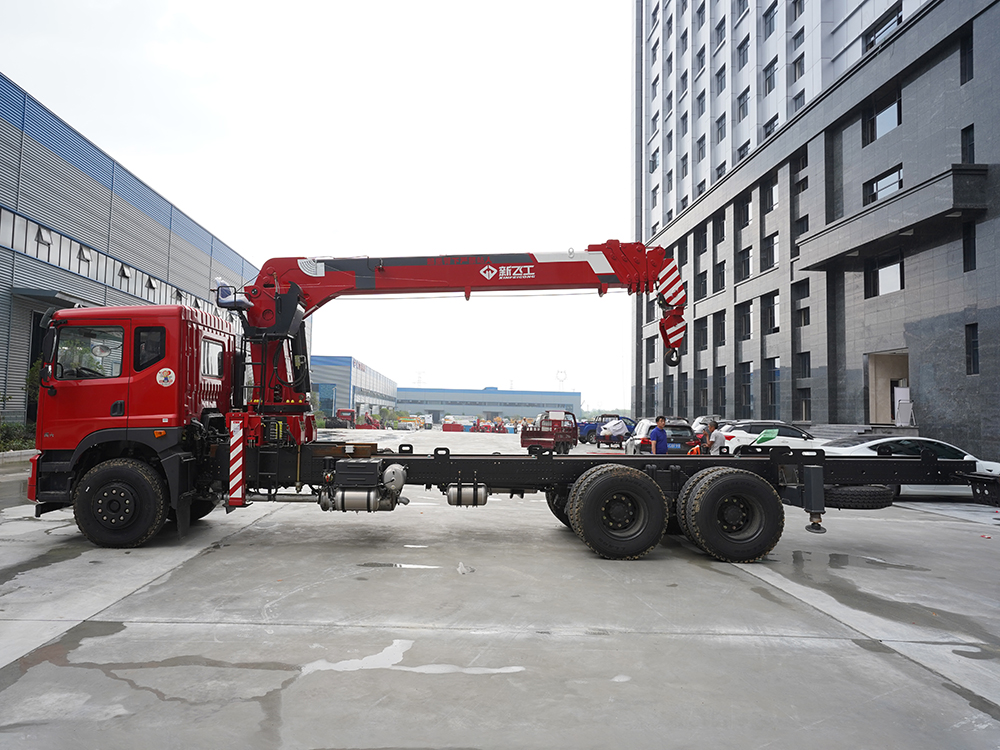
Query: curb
{"type": "Point", "coordinates": [11, 457]}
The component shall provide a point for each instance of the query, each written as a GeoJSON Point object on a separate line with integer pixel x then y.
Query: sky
{"type": "Point", "coordinates": [374, 129]}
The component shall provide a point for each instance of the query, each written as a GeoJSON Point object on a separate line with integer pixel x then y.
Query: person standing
{"type": "Point", "coordinates": [715, 438]}
{"type": "Point", "coordinates": [659, 436]}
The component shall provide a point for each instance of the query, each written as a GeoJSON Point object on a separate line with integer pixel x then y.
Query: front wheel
{"type": "Point", "coordinates": [592, 438]}
{"type": "Point", "coordinates": [120, 503]}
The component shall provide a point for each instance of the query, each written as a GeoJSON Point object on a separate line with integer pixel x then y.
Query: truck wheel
{"type": "Point", "coordinates": [619, 511]}
{"type": "Point", "coordinates": [557, 504]}
{"type": "Point", "coordinates": [120, 503]}
{"type": "Point", "coordinates": [735, 516]}
{"type": "Point", "coordinates": [687, 491]}
{"type": "Point", "coordinates": [592, 437]}
{"type": "Point", "coordinates": [858, 497]}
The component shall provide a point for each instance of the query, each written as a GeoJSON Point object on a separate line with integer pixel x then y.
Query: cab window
{"type": "Point", "coordinates": [89, 352]}
{"type": "Point", "coordinates": [150, 346]}
{"type": "Point", "coordinates": [211, 358]}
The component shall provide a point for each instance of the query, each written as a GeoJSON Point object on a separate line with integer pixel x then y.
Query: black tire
{"type": "Point", "coordinates": [687, 491]}
{"type": "Point", "coordinates": [120, 503]}
{"type": "Point", "coordinates": [858, 497]}
{"type": "Point", "coordinates": [735, 516]}
{"type": "Point", "coordinates": [557, 504]}
{"type": "Point", "coordinates": [592, 437]}
{"type": "Point", "coordinates": [619, 511]}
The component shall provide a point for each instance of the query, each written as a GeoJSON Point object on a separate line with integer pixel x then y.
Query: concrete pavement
{"type": "Point", "coordinates": [280, 626]}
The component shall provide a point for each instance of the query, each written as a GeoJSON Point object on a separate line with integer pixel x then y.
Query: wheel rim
{"type": "Point", "coordinates": [740, 517]}
{"type": "Point", "coordinates": [622, 516]}
{"type": "Point", "coordinates": [114, 505]}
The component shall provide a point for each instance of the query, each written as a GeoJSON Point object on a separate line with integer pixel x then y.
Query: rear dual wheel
{"type": "Point", "coordinates": [618, 511]}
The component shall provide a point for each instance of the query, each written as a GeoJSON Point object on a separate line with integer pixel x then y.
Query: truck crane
{"type": "Point", "coordinates": [151, 412]}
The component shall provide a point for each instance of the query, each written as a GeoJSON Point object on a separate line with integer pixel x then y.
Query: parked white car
{"type": "Point", "coordinates": [748, 431]}
{"type": "Point", "coordinates": [680, 438]}
{"type": "Point", "coordinates": [868, 445]}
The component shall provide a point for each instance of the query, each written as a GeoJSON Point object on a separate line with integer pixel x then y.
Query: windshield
{"type": "Point", "coordinates": [89, 352]}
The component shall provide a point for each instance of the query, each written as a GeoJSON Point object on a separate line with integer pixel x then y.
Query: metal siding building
{"type": "Point", "coordinates": [347, 383]}
{"type": "Point", "coordinates": [831, 203]}
{"type": "Point", "coordinates": [488, 403]}
{"type": "Point", "coordinates": [77, 228]}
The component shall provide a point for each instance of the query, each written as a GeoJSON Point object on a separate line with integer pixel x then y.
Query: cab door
{"type": "Point", "coordinates": [85, 387]}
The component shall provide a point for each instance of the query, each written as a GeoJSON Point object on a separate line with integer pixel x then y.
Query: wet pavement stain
{"type": "Point", "coordinates": [975, 701]}
{"type": "Point", "coordinates": [53, 555]}
{"type": "Point", "coordinates": [847, 592]}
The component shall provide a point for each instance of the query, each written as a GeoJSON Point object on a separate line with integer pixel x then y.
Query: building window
{"type": "Point", "coordinates": [655, 16]}
{"type": "Point", "coordinates": [701, 390]}
{"type": "Point", "coordinates": [969, 246]}
{"type": "Point", "coordinates": [798, 67]}
{"type": "Point", "coordinates": [655, 124]}
{"type": "Point", "coordinates": [719, 328]}
{"type": "Point", "coordinates": [699, 60]}
{"type": "Point", "coordinates": [742, 6]}
{"type": "Point", "coordinates": [670, 180]}
{"type": "Point", "coordinates": [769, 77]}
{"type": "Point", "coordinates": [720, 32]}
{"type": "Point", "coordinates": [701, 148]}
{"type": "Point", "coordinates": [801, 186]}
{"type": "Point", "coordinates": [720, 80]}
{"type": "Point", "coordinates": [668, 27]}
{"type": "Point", "coordinates": [743, 151]}
{"type": "Point", "coordinates": [684, 41]}
{"type": "Point", "coordinates": [800, 290]}
{"type": "Point", "coordinates": [884, 275]}
{"type": "Point", "coordinates": [769, 252]}
{"type": "Point", "coordinates": [682, 253]}
{"type": "Point", "coordinates": [654, 52]}
{"type": "Point", "coordinates": [668, 105]}
{"type": "Point", "coordinates": [682, 394]}
{"type": "Point", "coordinates": [720, 390]}
{"type": "Point", "coordinates": [803, 365]}
{"type": "Point", "coordinates": [701, 188]}
{"type": "Point", "coordinates": [743, 212]}
{"type": "Point", "coordinates": [719, 278]}
{"type": "Point", "coordinates": [701, 334]}
{"type": "Point", "coordinates": [720, 171]}
{"type": "Point", "coordinates": [800, 317]}
{"type": "Point", "coordinates": [670, 142]}
{"type": "Point", "coordinates": [654, 161]}
{"type": "Point", "coordinates": [655, 88]}
{"type": "Point", "coordinates": [801, 227]}
{"type": "Point", "coordinates": [743, 53]}
{"type": "Point", "coordinates": [684, 202]}
{"type": "Point", "coordinates": [744, 390]}
{"type": "Point", "coordinates": [684, 82]}
{"type": "Point", "coordinates": [670, 64]}
{"type": "Point", "coordinates": [684, 165]}
{"type": "Point", "coordinates": [768, 194]}
{"type": "Point", "coordinates": [700, 238]}
{"type": "Point", "coordinates": [798, 101]}
{"type": "Point", "coordinates": [654, 197]}
{"type": "Point", "coordinates": [798, 8]}
{"type": "Point", "coordinates": [972, 349]}
{"type": "Point", "coordinates": [684, 124]}
{"type": "Point", "coordinates": [769, 17]}
{"type": "Point", "coordinates": [655, 228]}
{"type": "Point", "coordinates": [770, 314]}
{"type": "Point", "coordinates": [743, 105]}
{"type": "Point", "coordinates": [700, 101]}
{"type": "Point", "coordinates": [770, 126]}
{"type": "Point", "coordinates": [799, 39]}
{"type": "Point", "coordinates": [744, 260]}
{"type": "Point", "coordinates": [699, 16]}
{"type": "Point", "coordinates": [882, 115]}
{"type": "Point", "coordinates": [803, 404]}
{"type": "Point", "coordinates": [881, 29]}
{"type": "Point", "coordinates": [966, 56]}
{"type": "Point", "coordinates": [772, 388]}
{"type": "Point", "coordinates": [883, 185]}
{"type": "Point", "coordinates": [969, 145]}
{"type": "Point", "coordinates": [651, 350]}
{"type": "Point", "coordinates": [720, 129]}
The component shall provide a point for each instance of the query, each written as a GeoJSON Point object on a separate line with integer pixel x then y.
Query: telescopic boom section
{"type": "Point", "coordinates": [290, 289]}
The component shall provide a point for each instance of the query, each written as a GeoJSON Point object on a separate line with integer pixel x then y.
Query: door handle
{"type": "Point", "coordinates": [118, 409]}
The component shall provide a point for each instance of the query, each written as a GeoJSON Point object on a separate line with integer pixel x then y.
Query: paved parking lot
{"type": "Point", "coordinates": [280, 626]}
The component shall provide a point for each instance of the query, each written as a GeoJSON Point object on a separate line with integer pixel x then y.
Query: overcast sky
{"type": "Point", "coordinates": [362, 128]}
